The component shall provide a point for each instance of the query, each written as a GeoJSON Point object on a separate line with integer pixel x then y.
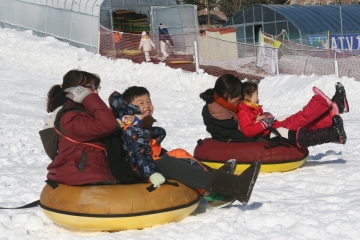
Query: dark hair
{"type": "Point", "coordinates": [248, 88]}
{"type": "Point", "coordinates": [132, 92]}
{"type": "Point", "coordinates": [72, 78]}
{"type": "Point", "coordinates": [226, 86]}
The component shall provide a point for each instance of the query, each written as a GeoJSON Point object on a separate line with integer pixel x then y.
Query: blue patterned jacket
{"type": "Point", "coordinates": [136, 139]}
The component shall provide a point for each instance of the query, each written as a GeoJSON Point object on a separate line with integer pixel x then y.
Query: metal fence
{"type": "Point", "coordinates": [224, 56]}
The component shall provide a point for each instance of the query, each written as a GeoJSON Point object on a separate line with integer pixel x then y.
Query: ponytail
{"type": "Point", "coordinates": [208, 95]}
{"type": "Point", "coordinates": [53, 93]}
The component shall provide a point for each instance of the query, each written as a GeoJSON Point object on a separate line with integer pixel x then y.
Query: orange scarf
{"type": "Point", "coordinates": [222, 102]}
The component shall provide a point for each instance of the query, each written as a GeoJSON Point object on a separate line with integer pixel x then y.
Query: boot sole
{"type": "Point", "coordinates": [220, 204]}
{"type": "Point", "coordinates": [253, 181]}
{"type": "Point", "coordinates": [339, 125]}
{"type": "Point", "coordinates": [342, 94]}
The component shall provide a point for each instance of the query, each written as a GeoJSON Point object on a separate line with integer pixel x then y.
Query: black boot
{"type": "Point", "coordinates": [240, 186]}
{"type": "Point", "coordinates": [335, 133]}
{"type": "Point", "coordinates": [218, 200]}
{"type": "Point", "coordinates": [229, 166]}
{"type": "Point", "coordinates": [340, 98]}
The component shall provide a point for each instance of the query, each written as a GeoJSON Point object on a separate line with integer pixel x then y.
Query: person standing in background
{"type": "Point", "coordinates": [146, 44]}
{"type": "Point", "coordinates": [165, 40]}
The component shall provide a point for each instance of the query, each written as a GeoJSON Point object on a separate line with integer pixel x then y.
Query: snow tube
{"type": "Point", "coordinates": [178, 59]}
{"type": "Point", "coordinates": [277, 159]}
{"type": "Point", "coordinates": [117, 207]}
{"type": "Point", "coordinates": [132, 52]}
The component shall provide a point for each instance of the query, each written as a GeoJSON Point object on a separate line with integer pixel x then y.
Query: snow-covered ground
{"type": "Point", "coordinates": [320, 200]}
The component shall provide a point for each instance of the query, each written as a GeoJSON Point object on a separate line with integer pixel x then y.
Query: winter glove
{"type": "Point", "coordinates": [267, 122]}
{"type": "Point", "coordinates": [269, 115]}
{"type": "Point", "coordinates": [148, 121]}
{"type": "Point", "coordinates": [157, 179]}
{"type": "Point", "coordinates": [77, 94]}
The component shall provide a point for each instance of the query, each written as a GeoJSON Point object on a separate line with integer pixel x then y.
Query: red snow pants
{"type": "Point", "coordinates": [316, 114]}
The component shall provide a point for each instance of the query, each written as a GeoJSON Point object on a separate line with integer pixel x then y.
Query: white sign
{"type": "Point", "coordinates": [268, 54]}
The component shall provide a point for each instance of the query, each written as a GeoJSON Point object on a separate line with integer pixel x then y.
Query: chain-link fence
{"type": "Point", "coordinates": [218, 56]}
{"type": "Point", "coordinates": [115, 44]}
{"type": "Point", "coordinates": [298, 59]}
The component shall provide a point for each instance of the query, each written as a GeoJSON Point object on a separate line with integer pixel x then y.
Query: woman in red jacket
{"type": "Point", "coordinates": [78, 163]}
{"type": "Point", "coordinates": [81, 155]}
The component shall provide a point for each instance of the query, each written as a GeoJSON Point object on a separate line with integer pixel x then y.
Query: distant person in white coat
{"type": "Point", "coordinates": [165, 40]}
{"type": "Point", "coordinates": [147, 45]}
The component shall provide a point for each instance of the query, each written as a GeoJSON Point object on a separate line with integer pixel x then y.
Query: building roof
{"type": "Point", "coordinates": [309, 19]}
{"type": "Point", "coordinates": [92, 7]}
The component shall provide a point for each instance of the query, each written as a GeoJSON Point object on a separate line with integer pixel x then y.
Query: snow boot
{"type": "Point", "coordinates": [229, 166]}
{"type": "Point", "coordinates": [218, 200]}
{"type": "Point", "coordinates": [323, 95]}
{"type": "Point", "coordinates": [340, 98]}
{"type": "Point", "coordinates": [240, 187]}
{"type": "Point", "coordinates": [335, 133]}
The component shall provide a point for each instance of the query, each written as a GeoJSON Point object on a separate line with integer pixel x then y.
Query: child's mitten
{"type": "Point", "coordinates": [148, 121]}
{"type": "Point", "coordinates": [157, 179]}
{"type": "Point", "coordinates": [267, 122]}
{"type": "Point", "coordinates": [269, 115]}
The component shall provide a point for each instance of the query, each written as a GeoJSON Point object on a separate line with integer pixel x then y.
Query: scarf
{"type": "Point", "coordinates": [254, 105]}
{"type": "Point", "coordinates": [222, 102]}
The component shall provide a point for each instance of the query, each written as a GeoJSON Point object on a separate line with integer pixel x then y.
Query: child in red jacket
{"type": "Point", "coordinates": [317, 123]}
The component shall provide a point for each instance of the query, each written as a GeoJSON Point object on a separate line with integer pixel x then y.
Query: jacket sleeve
{"type": "Point", "coordinates": [158, 134]}
{"type": "Point", "coordinates": [98, 123]}
{"type": "Point", "coordinates": [120, 108]}
{"type": "Point", "coordinates": [137, 145]}
{"type": "Point", "coordinates": [141, 43]}
{"type": "Point", "coordinates": [248, 126]}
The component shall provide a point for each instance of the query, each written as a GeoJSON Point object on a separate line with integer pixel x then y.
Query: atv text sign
{"type": "Point", "coordinates": [337, 41]}
{"type": "Point", "coordinates": [345, 42]}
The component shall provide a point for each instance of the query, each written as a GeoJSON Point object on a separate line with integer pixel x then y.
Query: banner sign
{"type": "Point", "coordinates": [318, 41]}
{"type": "Point", "coordinates": [345, 42]}
{"type": "Point", "coordinates": [268, 54]}
{"type": "Point", "coordinates": [337, 41]}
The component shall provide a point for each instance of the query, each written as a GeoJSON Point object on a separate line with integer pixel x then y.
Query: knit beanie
{"type": "Point", "coordinates": [143, 33]}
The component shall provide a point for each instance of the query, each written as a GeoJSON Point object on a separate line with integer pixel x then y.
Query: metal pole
{"type": "Point", "coordinates": [341, 29]}
{"type": "Point", "coordinates": [196, 57]}
{"type": "Point", "coordinates": [336, 65]}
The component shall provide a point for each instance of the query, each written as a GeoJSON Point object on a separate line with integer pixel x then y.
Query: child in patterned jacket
{"type": "Point", "coordinates": [141, 142]}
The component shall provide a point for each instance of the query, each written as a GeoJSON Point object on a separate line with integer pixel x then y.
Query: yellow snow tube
{"type": "Point", "coordinates": [117, 207]}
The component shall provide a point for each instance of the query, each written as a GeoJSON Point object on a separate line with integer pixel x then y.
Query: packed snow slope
{"type": "Point", "coordinates": [320, 200]}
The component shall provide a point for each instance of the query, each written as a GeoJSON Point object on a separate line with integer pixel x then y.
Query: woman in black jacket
{"type": "Point", "coordinates": [219, 113]}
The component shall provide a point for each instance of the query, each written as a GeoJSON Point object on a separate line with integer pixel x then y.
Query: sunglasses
{"type": "Point", "coordinates": [93, 87]}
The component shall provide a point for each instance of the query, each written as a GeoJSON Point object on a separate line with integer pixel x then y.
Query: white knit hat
{"type": "Point", "coordinates": [162, 25]}
{"type": "Point", "coordinates": [143, 33]}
